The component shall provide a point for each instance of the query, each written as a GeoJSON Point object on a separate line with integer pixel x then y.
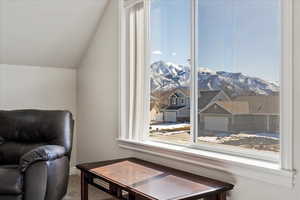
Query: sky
{"type": "Point", "coordinates": [233, 35]}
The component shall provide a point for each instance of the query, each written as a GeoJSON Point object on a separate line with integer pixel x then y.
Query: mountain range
{"type": "Point", "coordinates": [165, 76]}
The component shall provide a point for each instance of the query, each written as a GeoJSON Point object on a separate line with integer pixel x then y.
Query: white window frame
{"type": "Point", "coordinates": [240, 163]}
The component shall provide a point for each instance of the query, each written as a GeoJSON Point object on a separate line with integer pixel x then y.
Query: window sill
{"type": "Point", "coordinates": [238, 166]}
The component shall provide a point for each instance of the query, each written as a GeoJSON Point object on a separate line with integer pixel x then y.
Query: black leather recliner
{"type": "Point", "coordinates": [35, 150]}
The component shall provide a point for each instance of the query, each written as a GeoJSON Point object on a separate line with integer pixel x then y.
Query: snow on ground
{"type": "Point", "coordinates": [267, 135]}
{"type": "Point", "coordinates": [236, 137]}
{"type": "Point", "coordinates": [169, 126]}
{"type": "Point", "coordinates": [176, 126]}
{"type": "Point", "coordinates": [179, 133]}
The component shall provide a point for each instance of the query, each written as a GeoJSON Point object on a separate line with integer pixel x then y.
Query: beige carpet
{"type": "Point", "coordinates": [74, 191]}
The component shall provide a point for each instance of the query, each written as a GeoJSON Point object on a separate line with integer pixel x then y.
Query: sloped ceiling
{"type": "Point", "coordinates": [47, 32]}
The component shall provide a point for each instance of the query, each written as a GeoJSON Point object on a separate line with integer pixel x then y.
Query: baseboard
{"type": "Point", "coordinates": [74, 171]}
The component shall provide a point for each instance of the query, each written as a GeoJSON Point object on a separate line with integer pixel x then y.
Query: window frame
{"type": "Point", "coordinates": [285, 158]}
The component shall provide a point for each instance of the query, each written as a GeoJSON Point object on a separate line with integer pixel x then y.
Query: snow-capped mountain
{"type": "Point", "coordinates": [168, 75]}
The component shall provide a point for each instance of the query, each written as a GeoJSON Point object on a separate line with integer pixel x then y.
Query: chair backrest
{"type": "Point", "coordinates": [23, 130]}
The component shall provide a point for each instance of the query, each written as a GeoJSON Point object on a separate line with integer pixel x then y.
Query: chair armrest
{"type": "Point", "coordinates": [42, 153]}
{"type": "Point", "coordinates": [1, 140]}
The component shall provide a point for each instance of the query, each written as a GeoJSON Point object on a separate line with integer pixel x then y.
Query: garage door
{"type": "Point", "coordinates": [170, 116]}
{"type": "Point", "coordinates": [216, 123]}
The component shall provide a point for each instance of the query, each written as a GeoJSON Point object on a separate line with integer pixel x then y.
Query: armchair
{"type": "Point", "coordinates": [35, 150]}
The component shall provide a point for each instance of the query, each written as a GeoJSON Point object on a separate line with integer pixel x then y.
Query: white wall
{"type": "Point", "coordinates": [27, 87]}
{"type": "Point", "coordinates": [98, 93]}
{"type": "Point", "coordinates": [47, 33]}
{"type": "Point", "coordinates": [98, 113]}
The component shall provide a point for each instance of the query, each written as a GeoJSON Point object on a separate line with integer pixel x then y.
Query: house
{"type": "Point", "coordinates": [244, 113]}
{"type": "Point", "coordinates": [178, 105]}
{"type": "Point", "coordinates": [207, 97]}
{"type": "Point", "coordinates": [264, 113]}
{"type": "Point", "coordinates": [175, 103]}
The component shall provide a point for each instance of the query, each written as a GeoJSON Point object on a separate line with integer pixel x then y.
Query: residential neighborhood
{"type": "Point", "coordinates": [217, 111]}
{"type": "Point", "coordinates": [219, 116]}
{"type": "Point", "coordinates": [174, 105]}
{"type": "Point", "coordinates": [233, 108]}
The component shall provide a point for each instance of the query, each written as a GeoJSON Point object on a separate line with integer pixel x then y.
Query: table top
{"type": "Point", "coordinates": [153, 180]}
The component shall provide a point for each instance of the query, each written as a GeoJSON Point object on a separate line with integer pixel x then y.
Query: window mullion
{"type": "Point", "coordinates": [145, 133]}
{"type": "Point", "coordinates": [286, 89]}
{"type": "Point", "coordinates": [194, 77]}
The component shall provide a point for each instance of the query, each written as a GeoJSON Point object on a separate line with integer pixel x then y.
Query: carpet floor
{"type": "Point", "coordinates": [74, 191]}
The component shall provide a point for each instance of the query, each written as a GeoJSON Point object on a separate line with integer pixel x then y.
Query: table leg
{"type": "Point", "coordinates": [131, 196]}
{"type": "Point", "coordinates": [221, 196]}
{"type": "Point", "coordinates": [214, 197]}
{"type": "Point", "coordinates": [113, 189]}
{"type": "Point", "coordinates": [84, 187]}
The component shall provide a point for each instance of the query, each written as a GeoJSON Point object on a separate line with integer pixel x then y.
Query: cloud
{"type": "Point", "coordinates": [174, 54]}
{"type": "Point", "coordinates": [157, 52]}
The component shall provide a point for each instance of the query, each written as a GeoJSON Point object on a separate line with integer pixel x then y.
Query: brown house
{"type": "Point", "coordinates": [244, 113]}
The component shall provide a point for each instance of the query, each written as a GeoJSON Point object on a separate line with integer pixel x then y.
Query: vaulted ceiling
{"type": "Point", "coordinates": [47, 32]}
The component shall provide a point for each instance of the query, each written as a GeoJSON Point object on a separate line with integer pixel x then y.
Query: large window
{"type": "Point", "coordinates": [237, 61]}
{"type": "Point", "coordinates": [208, 74]}
{"type": "Point", "coordinates": [170, 70]}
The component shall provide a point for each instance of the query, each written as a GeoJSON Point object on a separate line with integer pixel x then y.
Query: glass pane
{"type": "Point", "coordinates": [239, 73]}
{"type": "Point", "coordinates": [170, 70]}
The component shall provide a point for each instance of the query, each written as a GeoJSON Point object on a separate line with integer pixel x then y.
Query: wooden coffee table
{"type": "Point", "coordinates": [136, 179]}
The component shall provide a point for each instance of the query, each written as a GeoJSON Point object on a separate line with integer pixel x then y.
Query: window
{"type": "Point", "coordinates": [173, 100]}
{"type": "Point", "coordinates": [182, 101]}
{"type": "Point", "coordinates": [237, 72]}
{"type": "Point", "coordinates": [238, 62]}
{"type": "Point", "coordinates": [209, 75]}
{"type": "Point", "coordinates": [170, 70]}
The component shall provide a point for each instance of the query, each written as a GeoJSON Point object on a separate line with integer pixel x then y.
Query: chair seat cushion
{"type": "Point", "coordinates": [11, 180]}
